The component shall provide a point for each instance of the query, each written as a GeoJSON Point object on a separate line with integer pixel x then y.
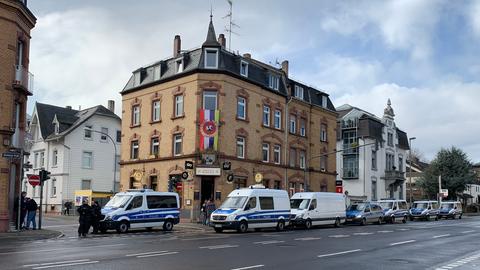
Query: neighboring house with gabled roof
{"type": "Point", "coordinates": [71, 145]}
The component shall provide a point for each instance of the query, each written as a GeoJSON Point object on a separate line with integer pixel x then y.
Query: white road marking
{"type": "Point", "coordinates": [268, 242]}
{"type": "Point", "coordinates": [307, 238]}
{"type": "Point", "coordinates": [204, 238]}
{"type": "Point", "coordinates": [339, 253]}
{"type": "Point", "coordinates": [249, 267]}
{"type": "Point", "coordinates": [158, 254]}
{"type": "Point", "coordinates": [363, 233]}
{"type": "Point", "coordinates": [403, 229]}
{"type": "Point", "coordinates": [440, 236]}
{"type": "Point", "coordinates": [145, 253]}
{"type": "Point", "coordinates": [468, 231]}
{"type": "Point", "coordinates": [403, 242]}
{"type": "Point", "coordinates": [41, 264]}
{"type": "Point", "coordinates": [65, 264]}
{"type": "Point", "coordinates": [56, 249]}
{"type": "Point", "coordinates": [219, 247]}
{"type": "Point", "coordinates": [384, 231]}
{"type": "Point", "coordinates": [339, 235]}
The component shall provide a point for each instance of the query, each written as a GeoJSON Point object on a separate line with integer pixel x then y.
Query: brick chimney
{"type": "Point", "coordinates": [285, 67]}
{"type": "Point", "coordinates": [177, 46]}
{"type": "Point", "coordinates": [247, 55]}
{"type": "Point", "coordinates": [111, 106]}
{"type": "Point", "coordinates": [221, 40]}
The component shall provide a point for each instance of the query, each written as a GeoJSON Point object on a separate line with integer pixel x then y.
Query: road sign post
{"type": "Point", "coordinates": [33, 179]}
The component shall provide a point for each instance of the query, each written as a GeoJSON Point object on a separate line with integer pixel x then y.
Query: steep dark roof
{"type": "Point", "coordinates": [211, 36]}
{"type": "Point", "coordinates": [402, 139]}
{"type": "Point", "coordinates": [68, 119]}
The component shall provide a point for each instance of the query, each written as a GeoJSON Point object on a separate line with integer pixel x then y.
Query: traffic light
{"type": "Point", "coordinates": [44, 175]}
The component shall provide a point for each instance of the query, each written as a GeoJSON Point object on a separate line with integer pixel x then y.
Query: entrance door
{"type": "Point", "coordinates": [208, 188]}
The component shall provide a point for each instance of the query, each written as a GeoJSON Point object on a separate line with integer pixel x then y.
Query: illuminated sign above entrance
{"type": "Point", "coordinates": [208, 171]}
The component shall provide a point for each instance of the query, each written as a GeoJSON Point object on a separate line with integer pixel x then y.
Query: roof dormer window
{"type": "Point", "coordinates": [211, 58]}
{"type": "Point", "coordinates": [244, 68]}
{"type": "Point", "coordinates": [298, 92]}
{"type": "Point", "coordinates": [156, 72]}
{"type": "Point", "coordinates": [179, 65]}
{"type": "Point", "coordinates": [57, 128]}
{"type": "Point", "coordinates": [324, 101]}
{"type": "Point", "coordinates": [273, 81]}
{"type": "Point", "coordinates": [136, 78]}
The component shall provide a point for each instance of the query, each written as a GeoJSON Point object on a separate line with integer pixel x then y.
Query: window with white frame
{"type": "Point", "coordinates": [302, 127]}
{"type": "Point", "coordinates": [134, 150]}
{"type": "Point", "coordinates": [240, 147]}
{"type": "Point", "coordinates": [293, 124]}
{"type": "Point", "coordinates": [273, 81]}
{"type": "Point", "coordinates": [211, 58]}
{"type": "Point", "coordinates": [210, 100]}
{"type": "Point", "coordinates": [323, 163]}
{"type": "Point", "coordinates": [53, 192]}
{"type": "Point", "coordinates": [178, 105]}
{"type": "Point", "coordinates": [57, 128]}
{"type": "Point", "coordinates": [156, 72]}
{"type": "Point", "coordinates": [155, 146]}
{"type": "Point", "coordinates": [156, 111]}
{"type": "Point", "coordinates": [103, 135]}
{"type": "Point", "coordinates": [136, 115]}
{"type": "Point", "coordinates": [244, 68]}
{"type": "Point", "coordinates": [87, 160]}
{"type": "Point", "coordinates": [35, 160]}
{"type": "Point", "coordinates": [137, 78]}
{"type": "Point", "coordinates": [277, 149]}
{"type": "Point", "coordinates": [390, 139]}
{"type": "Point", "coordinates": [374, 159]}
{"type": "Point", "coordinates": [266, 115]}
{"type": "Point", "coordinates": [323, 132]}
{"type": "Point", "coordinates": [88, 132]}
{"type": "Point", "coordinates": [86, 184]}
{"type": "Point", "coordinates": [265, 152]}
{"type": "Point", "coordinates": [302, 159]}
{"type": "Point", "coordinates": [55, 157]}
{"type": "Point", "coordinates": [177, 144]}
{"type": "Point", "coordinates": [324, 101]}
{"type": "Point", "coordinates": [42, 159]}
{"type": "Point", "coordinates": [298, 92]}
{"type": "Point", "coordinates": [374, 189]}
{"type": "Point", "coordinates": [277, 119]}
{"type": "Point", "coordinates": [179, 65]}
{"type": "Point", "coordinates": [241, 108]}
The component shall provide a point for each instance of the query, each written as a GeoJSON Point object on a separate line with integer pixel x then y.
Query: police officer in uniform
{"type": "Point", "coordinates": [85, 218]}
{"type": "Point", "coordinates": [96, 216]}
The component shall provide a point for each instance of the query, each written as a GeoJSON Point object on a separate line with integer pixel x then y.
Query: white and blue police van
{"type": "Point", "coordinates": [450, 209]}
{"type": "Point", "coordinates": [140, 208]}
{"type": "Point", "coordinates": [394, 210]}
{"type": "Point", "coordinates": [424, 210]}
{"type": "Point", "coordinates": [255, 207]}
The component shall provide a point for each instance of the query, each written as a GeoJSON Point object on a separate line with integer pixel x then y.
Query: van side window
{"type": "Point", "coordinates": [313, 204]}
{"type": "Point", "coordinates": [252, 203]}
{"type": "Point", "coordinates": [402, 205]}
{"type": "Point", "coordinates": [136, 202]}
{"type": "Point", "coordinates": [157, 201]}
{"type": "Point", "coordinates": [266, 203]}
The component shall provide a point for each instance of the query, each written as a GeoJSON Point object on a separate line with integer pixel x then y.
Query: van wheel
{"type": "Point", "coordinates": [404, 220]}
{"type": "Point", "coordinates": [281, 225]}
{"type": "Point", "coordinates": [123, 227]}
{"type": "Point", "coordinates": [308, 224]}
{"type": "Point", "coordinates": [168, 225]}
{"type": "Point", "coordinates": [460, 217]}
{"type": "Point", "coordinates": [436, 218]}
{"type": "Point", "coordinates": [363, 222]}
{"type": "Point", "coordinates": [392, 220]}
{"type": "Point", "coordinates": [242, 227]}
{"type": "Point", "coordinates": [411, 218]}
{"type": "Point", "coordinates": [379, 222]}
{"type": "Point", "coordinates": [337, 223]}
{"type": "Point", "coordinates": [427, 218]}
{"type": "Point", "coordinates": [218, 230]}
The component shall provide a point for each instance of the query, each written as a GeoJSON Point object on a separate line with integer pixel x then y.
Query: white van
{"type": "Point", "coordinates": [140, 208]}
{"type": "Point", "coordinates": [254, 207]}
{"type": "Point", "coordinates": [450, 209]}
{"type": "Point", "coordinates": [317, 208]}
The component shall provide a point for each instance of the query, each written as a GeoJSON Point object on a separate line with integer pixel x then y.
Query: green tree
{"type": "Point", "coordinates": [456, 171]}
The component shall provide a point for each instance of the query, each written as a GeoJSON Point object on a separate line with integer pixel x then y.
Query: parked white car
{"type": "Point", "coordinates": [317, 208]}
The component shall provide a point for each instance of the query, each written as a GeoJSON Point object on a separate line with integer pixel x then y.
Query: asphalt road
{"type": "Point", "coordinates": [445, 244]}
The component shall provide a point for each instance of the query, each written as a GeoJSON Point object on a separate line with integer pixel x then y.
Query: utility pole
{"type": "Point", "coordinates": [440, 188]}
{"type": "Point", "coordinates": [410, 174]}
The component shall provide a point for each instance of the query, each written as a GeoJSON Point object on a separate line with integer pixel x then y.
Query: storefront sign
{"type": "Point", "coordinates": [208, 171]}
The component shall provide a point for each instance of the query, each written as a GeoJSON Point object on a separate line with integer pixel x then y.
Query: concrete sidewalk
{"type": "Point", "coordinates": [29, 235]}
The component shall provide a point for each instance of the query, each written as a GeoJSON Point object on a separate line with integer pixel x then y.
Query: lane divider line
{"type": "Point", "coordinates": [440, 236]}
{"type": "Point", "coordinates": [145, 253]}
{"type": "Point", "coordinates": [219, 246]}
{"type": "Point", "coordinates": [403, 242]}
{"type": "Point", "coordinates": [249, 267]}
{"type": "Point", "coordinates": [65, 264]}
{"type": "Point", "coordinates": [339, 253]}
{"type": "Point", "coordinates": [41, 264]}
{"type": "Point", "coordinates": [158, 254]}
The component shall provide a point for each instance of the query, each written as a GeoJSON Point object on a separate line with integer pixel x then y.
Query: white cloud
{"type": "Point", "coordinates": [475, 17]}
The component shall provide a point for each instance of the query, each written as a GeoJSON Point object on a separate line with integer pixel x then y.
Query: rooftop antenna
{"type": "Point", "coordinates": [230, 24]}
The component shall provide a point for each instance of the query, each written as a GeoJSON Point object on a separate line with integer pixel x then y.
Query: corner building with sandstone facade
{"type": "Point", "coordinates": [212, 106]}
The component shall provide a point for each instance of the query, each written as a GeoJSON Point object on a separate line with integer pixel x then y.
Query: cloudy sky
{"type": "Point", "coordinates": [423, 55]}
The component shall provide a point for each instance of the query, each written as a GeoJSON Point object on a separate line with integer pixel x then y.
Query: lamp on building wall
{"type": "Point", "coordinates": [410, 174]}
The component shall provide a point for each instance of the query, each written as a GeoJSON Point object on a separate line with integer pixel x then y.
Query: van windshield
{"type": "Point", "coordinates": [447, 206]}
{"type": "Point", "coordinates": [234, 202]}
{"type": "Point", "coordinates": [420, 205]}
{"type": "Point", "coordinates": [356, 207]}
{"type": "Point", "coordinates": [299, 203]}
{"type": "Point", "coordinates": [118, 201]}
{"type": "Point", "coordinates": [386, 205]}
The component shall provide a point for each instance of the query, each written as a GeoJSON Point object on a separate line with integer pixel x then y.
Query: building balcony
{"type": "Point", "coordinates": [394, 177]}
{"type": "Point", "coordinates": [349, 124]}
{"type": "Point", "coordinates": [23, 79]}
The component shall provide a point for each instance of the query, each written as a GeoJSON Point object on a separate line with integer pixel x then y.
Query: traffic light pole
{"type": "Point", "coordinates": [41, 203]}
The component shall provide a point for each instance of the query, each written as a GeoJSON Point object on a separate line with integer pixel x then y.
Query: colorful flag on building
{"type": "Point", "coordinates": [209, 120]}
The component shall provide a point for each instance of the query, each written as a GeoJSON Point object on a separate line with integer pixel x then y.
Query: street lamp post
{"type": "Point", "coordinates": [410, 174]}
{"type": "Point", "coordinates": [114, 158]}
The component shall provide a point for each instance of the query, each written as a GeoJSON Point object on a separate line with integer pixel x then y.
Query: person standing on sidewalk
{"type": "Point", "coordinates": [210, 207]}
{"type": "Point", "coordinates": [84, 219]}
{"type": "Point", "coordinates": [23, 210]}
{"type": "Point", "coordinates": [32, 207]}
{"type": "Point", "coordinates": [96, 216]}
{"type": "Point", "coordinates": [67, 205]}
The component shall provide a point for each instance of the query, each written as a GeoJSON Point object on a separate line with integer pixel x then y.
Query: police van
{"type": "Point", "coordinates": [450, 209]}
{"type": "Point", "coordinates": [394, 210]}
{"type": "Point", "coordinates": [255, 207]}
{"type": "Point", "coordinates": [317, 208]}
{"type": "Point", "coordinates": [140, 208]}
{"type": "Point", "coordinates": [424, 210]}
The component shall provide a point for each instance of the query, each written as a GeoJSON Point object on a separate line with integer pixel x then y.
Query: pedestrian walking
{"type": "Point", "coordinates": [32, 208]}
{"type": "Point", "coordinates": [23, 210]}
{"type": "Point", "coordinates": [84, 219]}
{"type": "Point", "coordinates": [203, 213]}
{"type": "Point", "coordinates": [210, 207]}
{"type": "Point", "coordinates": [96, 216]}
{"type": "Point", "coordinates": [67, 206]}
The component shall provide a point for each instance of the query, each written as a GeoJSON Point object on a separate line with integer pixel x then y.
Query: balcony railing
{"type": "Point", "coordinates": [350, 172]}
{"type": "Point", "coordinates": [349, 123]}
{"type": "Point", "coordinates": [23, 78]}
{"type": "Point", "coordinates": [394, 175]}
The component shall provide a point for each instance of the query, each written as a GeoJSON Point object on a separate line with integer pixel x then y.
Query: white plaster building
{"type": "Point", "coordinates": [376, 170]}
{"type": "Point", "coordinates": [77, 158]}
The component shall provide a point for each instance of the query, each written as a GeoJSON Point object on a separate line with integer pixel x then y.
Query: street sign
{"type": "Point", "coordinates": [338, 183]}
{"type": "Point", "coordinates": [258, 178]}
{"type": "Point", "coordinates": [184, 175]}
{"type": "Point", "coordinates": [188, 165]}
{"type": "Point", "coordinates": [33, 179]}
{"type": "Point", "coordinates": [11, 155]}
{"type": "Point", "coordinates": [230, 178]}
{"type": "Point", "coordinates": [227, 165]}
{"type": "Point", "coordinates": [179, 186]}
{"type": "Point", "coordinates": [339, 189]}
{"type": "Point", "coordinates": [444, 192]}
